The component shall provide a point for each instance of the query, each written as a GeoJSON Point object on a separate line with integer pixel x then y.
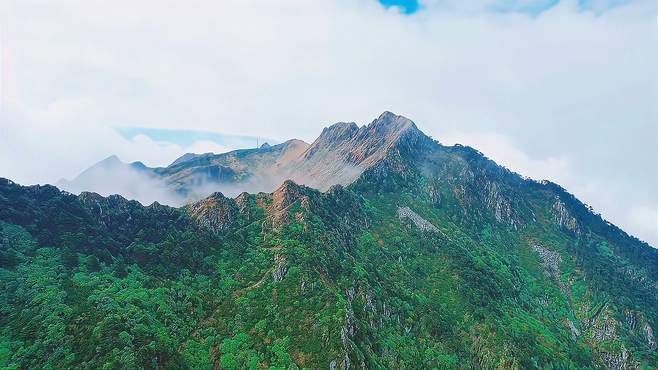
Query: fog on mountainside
{"type": "Point", "coordinates": [111, 176]}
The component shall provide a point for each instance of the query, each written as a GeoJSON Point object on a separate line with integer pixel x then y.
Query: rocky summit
{"type": "Point", "coordinates": [372, 247]}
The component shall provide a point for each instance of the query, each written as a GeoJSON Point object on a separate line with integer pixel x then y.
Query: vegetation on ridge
{"type": "Point", "coordinates": [511, 274]}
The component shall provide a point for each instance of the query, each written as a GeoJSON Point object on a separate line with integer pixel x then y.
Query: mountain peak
{"type": "Point", "coordinates": [215, 212]}
{"type": "Point", "coordinates": [288, 186]}
{"type": "Point", "coordinates": [111, 160]}
{"type": "Point", "coordinates": [344, 150]}
{"type": "Point", "coordinates": [388, 122]}
{"type": "Point", "coordinates": [341, 131]}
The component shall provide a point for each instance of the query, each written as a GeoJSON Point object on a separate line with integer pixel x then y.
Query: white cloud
{"type": "Point", "coordinates": [575, 91]}
{"type": "Point", "coordinates": [206, 146]}
{"type": "Point", "coordinates": [506, 153]}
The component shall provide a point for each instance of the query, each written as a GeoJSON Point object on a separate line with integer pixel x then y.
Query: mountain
{"type": "Point", "coordinates": [190, 177]}
{"type": "Point", "coordinates": [421, 256]}
{"type": "Point", "coordinates": [343, 151]}
{"type": "Point", "coordinates": [338, 156]}
{"type": "Point", "coordinates": [132, 180]}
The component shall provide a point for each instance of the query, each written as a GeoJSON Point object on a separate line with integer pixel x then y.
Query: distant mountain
{"type": "Point", "coordinates": [423, 256]}
{"type": "Point", "coordinates": [192, 176]}
{"type": "Point", "coordinates": [134, 181]}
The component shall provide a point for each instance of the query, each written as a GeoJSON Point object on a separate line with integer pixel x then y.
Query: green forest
{"type": "Point", "coordinates": [434, 259]}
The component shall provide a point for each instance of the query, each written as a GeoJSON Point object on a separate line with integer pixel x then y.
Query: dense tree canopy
{"type": "Point", "coordinates": [485, 270]}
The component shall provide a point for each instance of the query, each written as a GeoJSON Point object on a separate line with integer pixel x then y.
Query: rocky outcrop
{"type": "Point", "coordinates": [348, 329]}
{"type": "Point", "coordinates": [648, 334]}
{"type": "Point", "coordinates": [421, 223]}
{"type": "Point", "coordinates": [215, 213]}
{"type": "Point", "coordinates": [282, 199]}
{"type": "Point", "coordinates": [616, 361]}
{"type": "Point", "coordinates": [242, 201]}
{"type": "Point", "coordinates": [110, 211]}
{"type": "Point", "coordinates": [639, 326]}
{"type": "Point", "coordinates": [603, 328]}
{"type": "Point", "coordinates": [344, 150]}
{"type": "Point", "coordinates": [575, 333]}
{"type": "Point", "coordinates": [550, 260]}
{"type": "Point", "coordinates": [564, 219]}
{"type": "Point", "coordinates": [280, 268]}
{"type": "Point", "coordinates": [500, 205]}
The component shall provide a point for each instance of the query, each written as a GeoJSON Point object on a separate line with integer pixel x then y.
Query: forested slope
{"type": "Point", "coordinates": [435, 257]}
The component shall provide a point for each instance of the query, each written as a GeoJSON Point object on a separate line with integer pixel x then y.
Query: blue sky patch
{"type": "Point", "coordinates": [600, 6]}
{"type": "Point", "coordinates": [407, 6]}
{"type": "Point", "coordinates": [185, 138]}
{"type": "Point", "coordinates": [532, 7]}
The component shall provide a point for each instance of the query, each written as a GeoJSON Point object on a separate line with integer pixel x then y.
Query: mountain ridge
{"type": "Point", "coordinates": [433, 257]}
{"type": "Point", "coordinates": [337, 156]}
{"type": "Point", "coordinates": [345, 143]}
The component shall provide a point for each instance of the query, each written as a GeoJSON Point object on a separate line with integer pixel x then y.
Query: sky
{"type": "Point", "coordinates": [559, 90]}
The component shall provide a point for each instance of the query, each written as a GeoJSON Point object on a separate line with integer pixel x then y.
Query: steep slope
{"type": "Point", "coordinates": [343, 151]}
{"type": "Point", "coordinates": [250, 169]}
{"type": "Point", "coordinates": [433, 257]}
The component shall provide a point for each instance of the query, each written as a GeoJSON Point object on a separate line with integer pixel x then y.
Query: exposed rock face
{"type": "Point", "coordinates": [616, 361]}
{"type": "Point", "coordinates": [499, 204]}
{"type": "Point", "coordinates": [575, 333]}
{"type": "Point", "coordinates": [604, 329]}
{"type": "Point", "coordinates": [215, 213]}
{"type": "Point", "coordinates": [348, 329]}
{"type": "Point", "coordinates": [637, 322]}
{"type": "Point", "coordinates": [648, 333]}
{"type": "Point", "coordinates": [343, 151]}
{"type": "Point", "coordinates": [421, 223]}
{"type": "Point", "coordinates": [99, 206]}
{"type": "Point", "coordinates": [285, 196]}
{"type": "Point", "coordinates": [550, 260]}
{"type": "Point", "coordinates": [282, 199]}
{"type": "Point", "coordinates": [280, 269]}
{"type": "Point", "coordinates": [564, 219]}
{"type": "Point", "coordinates": [242, 202]}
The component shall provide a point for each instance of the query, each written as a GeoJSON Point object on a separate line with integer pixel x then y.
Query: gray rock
{"type": "Point", "coordinates": [421, 223]}
{"type": "Point", "coordinates": [281, 268]}
{"type": "Point", "coordinates": [648, 333]}
{"type": "Point", "coordinates": [564, 219]}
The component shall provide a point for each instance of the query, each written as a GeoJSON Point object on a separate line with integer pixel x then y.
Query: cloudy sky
{"type": "Point", "coordinates": [559, 90]}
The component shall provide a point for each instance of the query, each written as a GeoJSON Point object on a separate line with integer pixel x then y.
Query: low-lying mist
{"type": "Point", "coordinates": [126, 181]}
{"type": "Point", "coordinates": [147, 187]}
